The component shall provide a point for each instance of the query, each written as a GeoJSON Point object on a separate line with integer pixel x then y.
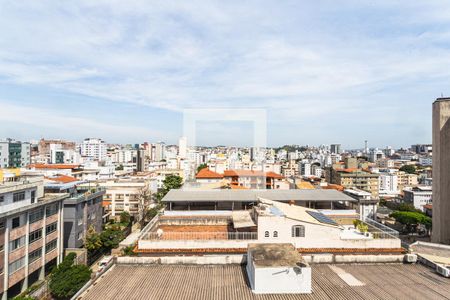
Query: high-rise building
{"type": "Point", "coordinates": [94, 148]}
{"type": "Point", "coordinates": [441, 171]}
{"type": "Point", "coordinates": [160, 151]}
{"type": "Point", "coordinates": [14, 154]}
{"type": "Point", "coordinates": [140, 160]}
{"type": "Point", "coordinates": [336, 149]}
{"type": "Point", "coordinates": [182, 147]}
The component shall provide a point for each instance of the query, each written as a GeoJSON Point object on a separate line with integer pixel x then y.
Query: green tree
{"type": "Point", "coordinates": [201, 167]}
{"type": "Point", "coordinates": [125, 218]}
{"type": "Point", "coordinates": [93, 241]}
{"type": "Point", "coordinates": [66, 279]}
{"type": "Point", "coordinates": [410, 169]}
{"type": "Point", "coordinates": [119, 168]}
{"type": "Point", "coordinates": [20, 297]}
{"type": "Point", "coordinates": [411, 219]}
{"type": "Point", "coordinates": [171, 182]}
{"type": "Point", "coordinates": [111, 237]}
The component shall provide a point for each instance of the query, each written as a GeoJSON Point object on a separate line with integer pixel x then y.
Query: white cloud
{"type": "Point", "coordinates": [288, 57]}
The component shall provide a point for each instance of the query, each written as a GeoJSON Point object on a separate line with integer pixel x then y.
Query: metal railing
{"type": "Point", "coordinates": [380, 231]}
{"type": "Point", "coordinates": [200, 236]}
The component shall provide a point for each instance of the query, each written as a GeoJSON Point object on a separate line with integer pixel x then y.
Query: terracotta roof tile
{"type": "Point", "coordinates": [207, 173]}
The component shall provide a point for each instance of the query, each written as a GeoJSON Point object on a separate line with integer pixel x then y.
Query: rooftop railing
{"type": "Point", "coordinates": [200, 236]}
{"type": "Point", "coordinates": [380, 231]}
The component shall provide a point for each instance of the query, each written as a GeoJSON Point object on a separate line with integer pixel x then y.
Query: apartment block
{"type": "Point", "coordinates": [14, 154]}
{"type": "Point", "coordinates": [31, 233]}
{"type": "Point", "coordinates": [418, 196]}
{"type": "Point", "coordinates": [356, 178]}
{"type": "Point", "coordinates": [125, 195]}
{"type": "Point", "coordinates": [93, 148]}
{"type": "Point", "coordinates": [81, 212]}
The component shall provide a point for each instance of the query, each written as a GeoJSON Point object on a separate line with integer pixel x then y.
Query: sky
{"type": "Point", "coordinates": [125, 71]}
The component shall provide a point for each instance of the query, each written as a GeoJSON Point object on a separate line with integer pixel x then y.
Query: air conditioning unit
{"type": "Point", "coordinates": [443, 270]}
{"type": "Point", "coordinates": [410, 258]}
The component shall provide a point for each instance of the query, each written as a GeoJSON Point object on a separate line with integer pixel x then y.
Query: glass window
{"type": "Point", "coordinates": [16, 222]}
{"type": "Point", "coordinates": [275, 234]}
{"type": "Point", "coordinates": [2, 199]}
{"type": "Point", "coordinates": [33, 196]}
{"type": "Point", "coordinates": [266, 234]}
{"type": "Point", "coordinates": [2, 224]}
{"type": "Point", "coordinates": [35, 235]}
{"type": "Point", "coordinates": [51, 209]}
{"type": "Point", "coordinates": [35, 255]}
{"type": "Point", "coordinates": [16, 265]}
{"type": "Point", "coordinates": [18, 196]}
{"type": "Point", "coordinates": [36, 215]}
{"type": "Point", "coordinates": [51, 228]}
{"type": "Point", "coordinates": [298, 231]}
{"type": "Point", "coordinates": [50, 246]}
{"type": "Point", "coordinates": [17, 243]}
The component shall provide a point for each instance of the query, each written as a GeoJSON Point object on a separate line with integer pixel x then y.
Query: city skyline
{"type": "Point", "coordinates": [324, 72]}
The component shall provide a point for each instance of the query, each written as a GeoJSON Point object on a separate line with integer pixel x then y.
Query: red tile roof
{"type": "Point", "coordinates": [207, 173]}
{"type": "Point", "coordinates": [64, 179]}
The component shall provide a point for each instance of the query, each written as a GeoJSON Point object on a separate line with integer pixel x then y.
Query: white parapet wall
{"type": "Point", "coordinates": [242, 259]}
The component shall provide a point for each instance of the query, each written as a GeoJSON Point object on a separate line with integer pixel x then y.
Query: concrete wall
{"type": "Point", "coordinates": [441, 171]}
{"type": "Point", "coordinates": [316, 236]}
{"type": "Point", "coordinates": [242, 259]}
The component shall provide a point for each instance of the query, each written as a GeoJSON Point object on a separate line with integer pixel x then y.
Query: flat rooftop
{"type": "Point", "coordinates": [253, 195]}
{"type": "Point", "coordinates": [228, 282]}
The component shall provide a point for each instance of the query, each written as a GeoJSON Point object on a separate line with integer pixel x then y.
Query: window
{"type": "Point", "coordinates": [33, 196]}
{"type": "Point", "coordinates": [266, 234]}
{"type": "Point", "coordinates": [16, 222]}
{"type": "Point", "coordinates": [35, 235]}
{"type": "Point", "coordinates": [35, 255]}
{"type": "Point", "coordinates": [16, 244]}
{"type": "Point", "coordinates": [275, 234]}
{"type": "Point", "coordinates": [50, 246]}
{"type": "Point", "coordinates": [2, 199]}
{"type": "Point", "coordinates": [36, 215]}
{"type": "Point", "coordinates": [51, 210]}
{"type": "Point", "coordinates": [298, 231]}
{"type": "Point", "coordinates": [16, 265]}
{"type": "Point", "coordinates": [2, 247]}
{"type": "Point", "coordinates": [51, 228]}
{"type": "Point", "coordinates": [18, 196]}
{"type": "Point", "coordinates": [2, 224]}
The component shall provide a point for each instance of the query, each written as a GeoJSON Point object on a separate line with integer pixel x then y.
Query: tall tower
{"type": "Point", "coordinates": [441, 171]}
{"type": "Point", "coordinates": [366, 147]}
{"type": "Point", "coordinates": [182, 147]}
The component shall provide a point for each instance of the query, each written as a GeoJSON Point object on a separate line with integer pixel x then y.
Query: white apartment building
{"type": "Point", "coordinates": [305, 168]}
{"type": "Point", "coordinates": [426, 161]}
{"type": "Point", "coordinates": [375, 155]}
{"type": "Point", "coordinates": [14, 154]}
{"type": "Point", "coordinates": [419, 196]}
{"type": "Point", "coordinates": [182, 147]}
{"type": "Point", "coordinates": [94, 148]}
{"type": "Point", "coordinates": [388, 183]}
{"type": "Point", "coordinates": [126, 195]}
{"type": "Point", "coordinates": [59, 155]}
